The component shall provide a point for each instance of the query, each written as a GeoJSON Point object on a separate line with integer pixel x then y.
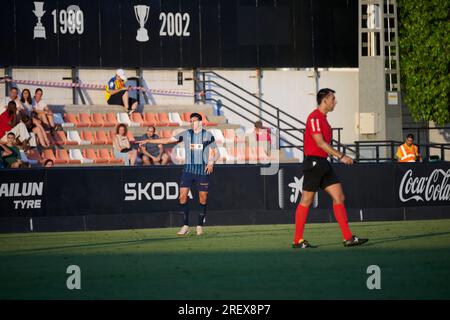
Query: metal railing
{"type": "Point", "coordinates": [389, 149]}
{"type": "Point", "coordinates": [205, 87]}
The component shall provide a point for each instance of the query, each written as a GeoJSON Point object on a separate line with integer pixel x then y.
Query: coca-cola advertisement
{"type": "Point", "coordinates": [423, 185]}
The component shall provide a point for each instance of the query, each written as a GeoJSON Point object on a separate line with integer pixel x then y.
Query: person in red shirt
{"type": "Point", "coordinates": [318, 173]}
{"type": "Point", "coordinates": [8, 119]}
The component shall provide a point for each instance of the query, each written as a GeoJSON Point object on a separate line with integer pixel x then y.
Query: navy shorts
{"type": "Point", "coordinates": [188, 179]}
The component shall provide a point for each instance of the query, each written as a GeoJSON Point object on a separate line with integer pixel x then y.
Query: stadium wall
{"type": "Point", "coordinates": [103, 198]}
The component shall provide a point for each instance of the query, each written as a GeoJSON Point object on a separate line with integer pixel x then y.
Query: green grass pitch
{"type": "Point", "coordinates": [233, 262]}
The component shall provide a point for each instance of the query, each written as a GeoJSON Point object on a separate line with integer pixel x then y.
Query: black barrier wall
{"type": "Point", "coordinates": [179, 33]}
{"type": "Point", "coordinates": [236, 190]}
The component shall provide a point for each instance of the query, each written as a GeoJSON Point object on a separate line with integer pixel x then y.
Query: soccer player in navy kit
{"type": "Point", "coordinates": [201, 154]}
{"type": "Point", "coordinates": [318, 173]}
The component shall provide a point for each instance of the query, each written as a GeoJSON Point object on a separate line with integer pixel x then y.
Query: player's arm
{"type": "Point", "coordinates": [318, 138]}
{"type": "Point", "coordinates": [213, 156]}
{"type": "Point", "coordinates": [159, 141]}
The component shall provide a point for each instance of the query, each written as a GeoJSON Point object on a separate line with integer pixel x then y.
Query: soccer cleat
{"type": "Point", "coordinates": [183, 231]}
{"type": "Point", "coordinates": [302, 244]}
{"type": "Point", "coordinates": [354, 241]}
{"type": "Point", "coordinates": [199, 230]}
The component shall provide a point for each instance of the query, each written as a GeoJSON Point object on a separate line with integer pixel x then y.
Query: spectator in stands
{"type": "Point", "coordinates": [152, 153]}
{"type": "Point", "coordinates": [27, 102]}
{"type": "Point", "coordinates": [263, 135]}
{"type": "Point", "coordinates": [49, 163]}
{"type": "Point", "coordinates": [408, 152]}
{"type": "Point", "coordinates": [14, 156]}
{"type": "Point", "coordinates": [38, 130]}
{"type": "Point", "coordinates": [117, 93]}
{"type": "Point", "coordinates": [9, 122]}
{"type": "Point", "coordinates": [4, 152]}
{"type": "Point", "coordinates": [14, 96]}
{"type": "Point", "coordinates": [43, 111]}
{"type": "Point", "coordinates": [122, 146]}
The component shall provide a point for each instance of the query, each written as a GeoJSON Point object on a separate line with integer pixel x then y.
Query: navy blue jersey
{"type": "Point", "coordinates": [197, 146]}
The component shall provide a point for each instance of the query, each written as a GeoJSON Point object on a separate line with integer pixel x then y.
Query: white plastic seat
{"type": "Point", "coordinates": [75, 154]}
{"type": "Point", "coordinates": [175, 117]}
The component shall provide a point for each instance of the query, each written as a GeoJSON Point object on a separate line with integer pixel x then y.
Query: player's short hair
{"type": "Point", "coordinates": [151, 127]}
{"type": "Point", "coordinates": [196, 115]}
{"type": "Point", "coordinates": [38, 89]}
{"type": "Point", "coordinates": [11, 134]}
{"type": "Point", "coordinates": [323, 93]}
{"type": "Point", "coordinates": [410, 135]}
{"type": "Point", "coordinates": [13, 88]}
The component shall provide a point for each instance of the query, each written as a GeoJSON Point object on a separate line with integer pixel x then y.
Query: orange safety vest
{"type": "Point", "coordinates": [407, 154]}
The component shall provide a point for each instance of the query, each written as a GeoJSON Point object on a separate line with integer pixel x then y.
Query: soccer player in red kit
{"type": "Point", "coordinates": [318, 173]}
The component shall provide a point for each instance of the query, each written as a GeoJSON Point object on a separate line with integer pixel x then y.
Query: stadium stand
{"type": "Point", "coordinates": [88, 130]}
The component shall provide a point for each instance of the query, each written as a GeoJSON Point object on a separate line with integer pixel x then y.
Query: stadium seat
{"type": "Point", "coordinates": [74, 135]}
{"type": "Point", "coordinates": [164, 120]}
{"type": "Point", "coordinates": [75, 154]}
{"type": "Point", "coordinates": [61, 139]}
{"type": "Point", "coordinates": [137, 118]}
{"type": "Point", "coordinates": [85, 119]}
{"type": "Point", "coordinates": [88, 136]}
{"type": "Point", "coordinates": [97, 120]}
{"type": "Point", "coordinates": [175, 118]}
{"type": "Point", "coordinates": [106, 154]}
{"type": "Point", "coordinates": [151, 119]}
{"type": "Point", "coordinates": [73, 118]}
{"type": "Point", "coordinates": [101, 137]}
{"type": "Point", "coordinates": [111, 118]}
{"type": "Point", "coordinates": [130, 137]}
{"type": "Point", "coordinates": [59, 120]}
{"type": "Point", "coordinates": [123, 117]}
{"type": "Point", "coordinates": [165, 133]}
{"type": "Point", "coordinates": [92, 155]}
{"type": "Point", "coordinates": [63, 155]}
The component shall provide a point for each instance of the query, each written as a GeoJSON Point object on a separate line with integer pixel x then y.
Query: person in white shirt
{"type": "Point", "coordinates": [14, 96]}
{"type": "Point", "coordinates": [27, 102]}
{"type": "Point", "coordinates": [42, 110]}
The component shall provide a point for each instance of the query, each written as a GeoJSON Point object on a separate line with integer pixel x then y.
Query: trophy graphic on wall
{"type": "Point", "coordinates": [141, 12]}
{"type": "Point", "coordinates": [39, 30]}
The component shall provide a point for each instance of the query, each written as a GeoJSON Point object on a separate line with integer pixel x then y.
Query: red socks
{"type": "Point", "coordinates": [339, 212]}
{"type": "Point", "coordinates": [341, 216]}
{"type": "Point", "coordinates": [300, 219]}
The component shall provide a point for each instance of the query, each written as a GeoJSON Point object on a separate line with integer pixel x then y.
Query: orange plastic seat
{"type": "Point", "coordinates": [64, 156]}
{"type": "Point", "coordinates": [137, 117]}
{"type": "Point", "coordinates": [73, 118]}
{"type": "Point", "coordinates": [48, 154]}
{"type": "Point", "coordinates": [113, 159]}
{"type": "Point", "coordinates": [111, 118]}
{"type": "Point", "coordinates": [88, 136]}
{"type": "Point", "coordinates": [164, 119]}
{"type": "Point", "coordinates": [85, 119]}
{"type": "Point", "coordinates": [98, 120]}
{"type": "Point", "coordinates": [61, 139]}
{"type": "Point", "coordinates": [151, 119]}
{"type": "Point", "coordinates": [101, 137]}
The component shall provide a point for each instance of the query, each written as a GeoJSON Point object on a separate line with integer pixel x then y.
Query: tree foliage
{"type": "Point", "coordinates": [424, 37]}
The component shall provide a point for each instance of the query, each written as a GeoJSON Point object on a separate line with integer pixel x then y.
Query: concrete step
{"type": "Point", "coordinates": [106, 108]}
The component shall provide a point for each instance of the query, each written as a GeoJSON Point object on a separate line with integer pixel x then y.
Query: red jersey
{"type": "Point", "coordinates": [316, 124]}
{"type": "Point", "coordinates": [4, 123]}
